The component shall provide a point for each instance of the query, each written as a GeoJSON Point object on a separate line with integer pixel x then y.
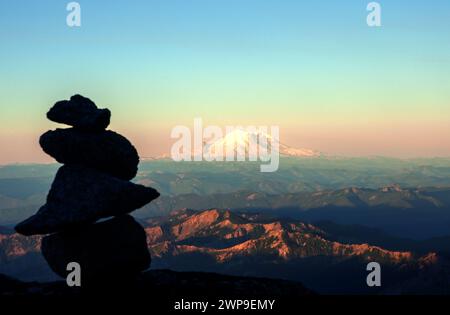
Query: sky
{"type": "Point", "coordinates": [313, 68]}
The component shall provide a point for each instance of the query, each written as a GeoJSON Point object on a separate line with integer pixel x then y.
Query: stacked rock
{"type": "Point", "coordinates": [93, 183]}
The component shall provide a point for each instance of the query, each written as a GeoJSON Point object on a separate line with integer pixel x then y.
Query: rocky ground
{"type": "Point", "coordinates": [164, 283]}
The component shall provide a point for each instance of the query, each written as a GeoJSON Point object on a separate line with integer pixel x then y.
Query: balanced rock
{"type": "Point", "coordinates": [109, 249]}
{"type": "Point", "coordinates": [80, 112]}
{"type": "Point", "coordinates": [105, 151]}
{"type": "Point", "coordinates": [80, 195]}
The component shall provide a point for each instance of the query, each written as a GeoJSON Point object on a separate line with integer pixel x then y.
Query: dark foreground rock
{"type": "Point", "coordinates": [116, 248]}
{"type": "Point", "coordinates": [105, 151]}
{"type": "Point", "coordinates": [93, 184]}
{"type": "Point", "coordinates": [162, 284]}
{"type": "Point", "coordinates": [81, 113]}
{"type": "Point", "coordinates": [81, 195]}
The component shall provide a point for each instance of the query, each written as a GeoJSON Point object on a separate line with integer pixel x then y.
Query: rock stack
{"type": "Point", "coordinates": [94, 183]}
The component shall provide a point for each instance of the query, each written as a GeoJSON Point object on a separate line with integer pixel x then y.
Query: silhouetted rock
{"type": "Point", "coordinates": [114, 249]}
{"type": "Point", "coordinates": [81, 195]}
{"type": "Point", "coordinates": [93, 184]}
{"type": "Point", "coordinates": [80, 112]}
{"type": "Point", "coordinates": [105, 151]}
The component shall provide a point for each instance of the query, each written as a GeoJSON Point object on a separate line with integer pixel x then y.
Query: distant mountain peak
{"type": "Point", "coordinates": [242, 140]}
{"type": "Point", "coordinates": [391, 188]}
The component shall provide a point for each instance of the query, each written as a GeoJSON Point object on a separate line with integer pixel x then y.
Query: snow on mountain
{"type": "Point", "coordinates": [242, 145]}
{"type": "Point", "coordinates": [245, 143]}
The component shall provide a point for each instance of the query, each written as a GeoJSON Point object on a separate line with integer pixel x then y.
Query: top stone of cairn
{"type": "Point", "coordinates": [81, 113]}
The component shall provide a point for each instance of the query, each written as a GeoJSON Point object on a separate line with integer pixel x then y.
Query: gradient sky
{"type": "Point", "coordinates": [314, 68]}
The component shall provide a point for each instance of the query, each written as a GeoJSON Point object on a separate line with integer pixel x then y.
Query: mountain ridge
{"type": "Point", "coordinates": [283, 237]}
{"type": "Point", "coordinates": [250, 244]}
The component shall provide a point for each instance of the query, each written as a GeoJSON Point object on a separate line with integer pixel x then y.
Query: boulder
{"type": "Point", "coordinates": [112, 249]}
{"type": "Point", "coordinates": [81, 195]}
{"type": "Point", "coordinates": [105, 151]}
{"type": "Point", "coordinates": [80, 112]}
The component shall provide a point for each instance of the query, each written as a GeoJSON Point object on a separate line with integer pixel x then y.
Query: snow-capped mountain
{"type": "Point", "coordinates": [243, 144]}
{"type": "Point", "coordinates": [257, 143]}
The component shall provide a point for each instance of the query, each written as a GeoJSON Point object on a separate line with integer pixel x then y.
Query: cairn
{"type": "Point", "coordinates": [93, 184]}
